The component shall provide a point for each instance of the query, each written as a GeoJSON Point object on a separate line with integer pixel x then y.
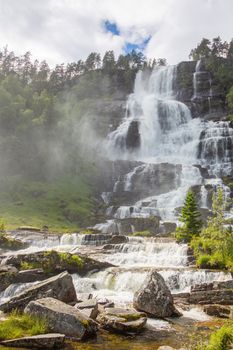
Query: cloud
{"type": "Point", "coordinates": [68, 30]}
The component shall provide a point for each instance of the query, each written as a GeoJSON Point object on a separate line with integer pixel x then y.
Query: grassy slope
{"type": "Point", "coordinates": [65, 204]}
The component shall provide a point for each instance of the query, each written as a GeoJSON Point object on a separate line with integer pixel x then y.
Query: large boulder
{"type": "Point", "coordinates": [122, 320]}
{"type": "Point", "coordinates": [43, 341]}
{"type": "Point", "coordinates": [62, 318]}
{"type": "Point", "coordinates": [60, 287]}
{"type": "Point", "coordinates": [155, 298]}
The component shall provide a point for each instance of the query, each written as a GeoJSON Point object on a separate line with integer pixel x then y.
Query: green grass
{"type": "Point", "coordinates": [71, 259]}
{"type": "Point", "coordinates": [17, 326]}
{"type": "Point", "coordinates": [64, 205]}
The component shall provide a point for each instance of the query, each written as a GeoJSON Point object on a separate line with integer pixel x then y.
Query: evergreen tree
{"type": "Point", "coordinates": [191, 219]}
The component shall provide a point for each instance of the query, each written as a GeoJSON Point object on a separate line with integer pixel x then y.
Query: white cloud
{"type": "Point", "coordinates": [67, 30]}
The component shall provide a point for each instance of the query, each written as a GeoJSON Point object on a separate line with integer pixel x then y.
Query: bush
{"type": "Point", "coordinates": [203, 261]}
{"type": "Point", "coordinates": [17, 326]}
{"type": "Point", "coordinates": [215, 241]}
{"type": "Point", "coordinates": [222, 339]}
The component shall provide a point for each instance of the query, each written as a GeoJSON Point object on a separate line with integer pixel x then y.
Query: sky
{"type": "Point", "coordinates": [68, 30]}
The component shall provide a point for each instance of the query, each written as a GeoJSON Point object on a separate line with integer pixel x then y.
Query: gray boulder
{"type": "Point", "coordinates": [44, 341]}
{"type": "Point", "coordinates": [60, 287]}
{"type": "Point", "coordinates": [155, 298]}
{"type": "Point", "coordinates": [62, 318]}
{"type": "Point", "coordinates": [122, 320]}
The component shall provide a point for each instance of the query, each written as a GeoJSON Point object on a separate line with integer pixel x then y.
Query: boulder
{"type": "Point", "coordinates": [60, 287]}
{"type": "Point", "coordinates": [218, 311]}
{"type": "Point", "coordinates": [7, 276]}
{"type": "Point", "coordinates": [122, 320]}
{"type": "Point", "coordinates": [89, 308]}
{"type": "Point", "coordinates": [43, 341]}
{"type": "Point", "coordinates": [62, 318]}
{"type": "Point", "coordinates": [9, 243]}
{"type": "Point", "coordinates": [155, 298]}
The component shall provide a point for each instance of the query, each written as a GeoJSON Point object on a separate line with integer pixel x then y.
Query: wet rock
{"type": "Point", "coordinates": [29, 228]}
{"type": "Point", "coordinates": [89, 308]}
{"type": "Point", "coordinates": [32, 275]}
{"type": "Point", "coordinates": [131, 225]}
{"type": "Point", "coordinates": [213, 293]}
{"type": "Point", "coordinates": [155, 298]}
{"type": "Point", "coordinates": [60, 287]}
{"type": "Point", "coordinates": [53, 262]}
{"type": "Point", "coordinates": [83, 296]}
{"type": "Point", "coordinates": [168, 227]}
{"type": "Point", "coordinates": [9, 243]}
{"type": "Point", "coordinates": [122, 320]}
{"type": "Point", "coordinates": [7, 276]}
{"type": "Point", "coordinates": [44, 341]}
{"type": "Point", "coordinates": [118, 239]}
{"type": "Point", "coordinates": [95, 239]}
{"type": "Point", "coordinates": [218, 311]}
{"type": "Point", "coordinates": [133, 136]}
{"type": "Point", "coordinates": [62, 318]}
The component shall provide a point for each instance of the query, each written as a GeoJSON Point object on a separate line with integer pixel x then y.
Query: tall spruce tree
{"type": "Point", "coordinates": [191, 219]}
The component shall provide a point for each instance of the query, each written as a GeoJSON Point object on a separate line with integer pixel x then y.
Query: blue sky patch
{"type": "Point", "coordinates": [111, 27]}
{"type": "Point", "coordinates": [137, 47]}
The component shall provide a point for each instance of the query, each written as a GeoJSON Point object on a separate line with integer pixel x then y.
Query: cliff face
{"type": "Point", "coordinates": [197, 87]}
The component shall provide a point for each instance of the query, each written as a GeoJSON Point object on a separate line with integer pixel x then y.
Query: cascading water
{"type": "Point", "coordinates": [168, 134]}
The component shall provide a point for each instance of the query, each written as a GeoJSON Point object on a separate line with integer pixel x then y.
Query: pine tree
{"type": "Point", "coordinates": [191, 219]}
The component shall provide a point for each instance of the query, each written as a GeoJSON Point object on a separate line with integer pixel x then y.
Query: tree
{"type": "Point", "coordinates": [214, 246]}
{"type": "Point", "coordinates": [108, 63]}
{"type": "Point", "coordinates": [191, 219]}
{"type": "Point", "coordinates": [202, 50]}
{"type": "Point", "coordinates": [230, 50]}
{"type": "Point", "coordinates": [219, 48]}
{"type": "Point", "coordinates": [93, 61]}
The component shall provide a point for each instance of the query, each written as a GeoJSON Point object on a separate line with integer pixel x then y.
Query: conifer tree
{"type": "Point", "coordinates": [191, 219]}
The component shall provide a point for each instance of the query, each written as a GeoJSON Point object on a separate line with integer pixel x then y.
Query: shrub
{"type": "Point", "coordinates": [203, 261]}
{"type": "Point", "coordinates": [222, 339]}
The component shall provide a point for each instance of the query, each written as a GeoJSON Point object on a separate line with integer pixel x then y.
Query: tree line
{"type": "Point", "coordinates": [40, 76]}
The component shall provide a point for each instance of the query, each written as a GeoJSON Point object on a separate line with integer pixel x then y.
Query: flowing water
{"type": "Point", "coordinates": [170, 139]}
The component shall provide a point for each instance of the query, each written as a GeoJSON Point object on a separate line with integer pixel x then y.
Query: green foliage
{"type": "Point", "coordinates": [71, 259]}
{"type": "Point", "coordinates": [215, 241]}
{"type": "Point", "coordinates": [206, 49]}
{"type": "Point", "coordinates": [230, 103]}
{"type": "Point", "coordinates": [16, 326]}
{"type": "Point", "coordinates": [52, 261]}
{"type": "Point", "coordinates": [142, 234]}
{"type": "Point", "coordinates": [221, 339]}
{"type": "Point", "coordinates": [190, 217]}
{"type": "Point", "coordinates": [29, 265]}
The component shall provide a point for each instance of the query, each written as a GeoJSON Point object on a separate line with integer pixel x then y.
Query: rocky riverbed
{"type": "Point", "coordinates": [124, 292]}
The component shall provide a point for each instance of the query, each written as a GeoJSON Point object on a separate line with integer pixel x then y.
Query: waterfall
{"type": "Point", "coordinates": [167, 131]}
